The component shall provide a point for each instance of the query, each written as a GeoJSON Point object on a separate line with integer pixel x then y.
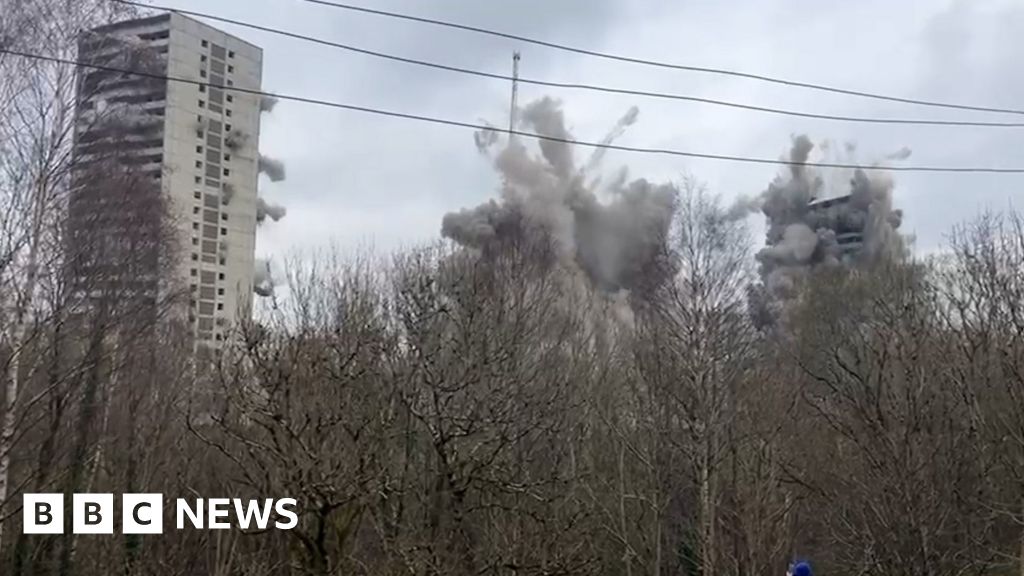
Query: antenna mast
{"type": "Point", "coordinates": [515, 95]}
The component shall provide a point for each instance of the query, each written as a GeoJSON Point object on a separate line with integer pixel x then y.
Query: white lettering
{"type": "Point", "coordinates": [218, 508]}
{"type": "Point", "coordinates": [282, 509]}
{"type": "Point", "coordinates": [262, 515]}
{"type": "Point", "coordinates": [184, 510]}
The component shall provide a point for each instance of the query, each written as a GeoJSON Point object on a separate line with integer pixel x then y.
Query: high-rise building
{"type": "Point", "coordinates": [196, 144]}
{"type": "Point", "coordinates": [834, 214]}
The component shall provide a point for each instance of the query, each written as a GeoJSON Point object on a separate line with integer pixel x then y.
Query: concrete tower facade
{"type": "Point", "coordinates": [199, 141]}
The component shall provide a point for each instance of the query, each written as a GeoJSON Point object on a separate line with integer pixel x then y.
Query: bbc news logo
{"type": "Point", "coordinates": [144, 513]}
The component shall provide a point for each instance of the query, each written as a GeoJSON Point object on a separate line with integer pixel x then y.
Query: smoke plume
{"type": "Point", "coordinates": [486, 137]}
{"type": "Point", "coordinates": [901, 154]}
{"type": "Point", "coordinates": [274, 169]}
{"type": "Point", "coordinates": [813, 221]}
{"type": "Point", "coordinates": [264, 210]}
{"type": "Point", "coordinates": [618, 130]}
{"type": "Point", "coordinates": [262, 280]}
{"type": "Point", "coordinates": [236, 140]}
{"type": "Point", "coordinates": [267, 104]}
{"type": "Point", "coordinates": [615, 244]}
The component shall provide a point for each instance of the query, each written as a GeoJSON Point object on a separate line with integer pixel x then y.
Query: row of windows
{"type": "Point", "coordinates": [202, 58]}
{"type": "Point", "coordinates": [199, 150]}
{"type": "Point", "coordinates": [214, 126]}
{"type": "Point", "coordinates": [223, 231]}
{"type": "Point", "coordinates": [216, 82]}
{"type": "Point", "coordinates": [214, 102]}
{"type": "Point", "coordinates": [195, 258]}
{"type": "Point", "coordinates": [206, 322]}
{"type": "Point", "coordinates": [203, 74]}
{"type": "Point", "coordinates": [227, 112]}
{"type": "Point", "coordinates": [220, 305]}
{"type": "Point", "coordinates": [199, 165]}
{"type": "Point", "coordinates": [216, 96]}
{"type": "Point", "coordinates": [223, 216]}
{"type": "Point", "coordinates": [202, 89]}
{"type": "Point", "coordinates": [206, 44]}
{"type": "Point", "coordinates": [195, 288]}
{"type": "Point", "coordinates": [195, 272]}
{"type": "Point", "coordinates": [161, 35]}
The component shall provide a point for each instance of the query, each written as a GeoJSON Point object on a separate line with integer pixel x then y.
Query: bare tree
{"type": "Point", "coordinates": [488, 378]}
{"type": "Point", "coordinates": [37, 125]}
{"type": "Point", "coordinates": [904, 452]}
{"type": "Point", "coordinates": [983, 296]}
{"type": "Point", "coordinates": [694, 345]}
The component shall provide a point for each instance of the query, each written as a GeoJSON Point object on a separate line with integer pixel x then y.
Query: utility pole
{"type": "Point", "coordinates": [515, 96]}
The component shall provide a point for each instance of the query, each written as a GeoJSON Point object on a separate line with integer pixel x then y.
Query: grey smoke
{"type": "Point", "coordinates": [262, 280]}
{"type": "Point", "coordinates": [794, 248]}
{"type": "Point", "coordinates": [486, 137]}
{"type": "Point", "coordinates": [857, 225]}
{"type": "Point", "coordinates": [616, 244]}
{"type": "Point", "coordinates": [274, 169]}
{"type": "Point", "coordinates": [236, 140]}
{"type": "Point", "coordinates": [901, 154]}
{"type": "Point", "coordinates": [618, 130]}
{"type": "Point", "coordinates": [267, 103]}
{"type": "Point", "coordinates": [782, 201]}
{"type": "Point", "coordinates": [264, 210]}
{"type": "Point", "coordinates": [744, 206]}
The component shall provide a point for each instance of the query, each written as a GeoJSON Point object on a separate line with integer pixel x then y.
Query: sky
{"type": "Point", "coordinates": [357, 181]}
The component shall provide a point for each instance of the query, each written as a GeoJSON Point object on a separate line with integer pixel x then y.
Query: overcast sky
{"type": "Point", "coordinates": [356, 179]}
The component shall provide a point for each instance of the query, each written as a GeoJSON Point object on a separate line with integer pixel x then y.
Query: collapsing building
{"type": "Point", "coordinates": [810, 225]}
{"type": "Point", "coordinates": [849, 240]}
{"type": "Point", "coordinates": [551, 199]}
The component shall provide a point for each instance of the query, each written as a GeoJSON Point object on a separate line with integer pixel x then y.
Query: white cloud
{"type": "Point", "coordinates": [356, 178]}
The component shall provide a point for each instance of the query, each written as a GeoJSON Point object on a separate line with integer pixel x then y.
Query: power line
{"type": "Point", "coordinates": [576, 86]}
{"type": "Point", "coordinates": [660, 64]}
{"type": "Point", "coordinates": [458, 123]}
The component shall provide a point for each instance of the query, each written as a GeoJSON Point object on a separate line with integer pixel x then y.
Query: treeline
{"type": "Point", "coordinates": [440, 413]}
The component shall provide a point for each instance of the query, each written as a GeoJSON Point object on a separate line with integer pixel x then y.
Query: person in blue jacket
{"type": "Point", "coordinates": [801, 568]}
